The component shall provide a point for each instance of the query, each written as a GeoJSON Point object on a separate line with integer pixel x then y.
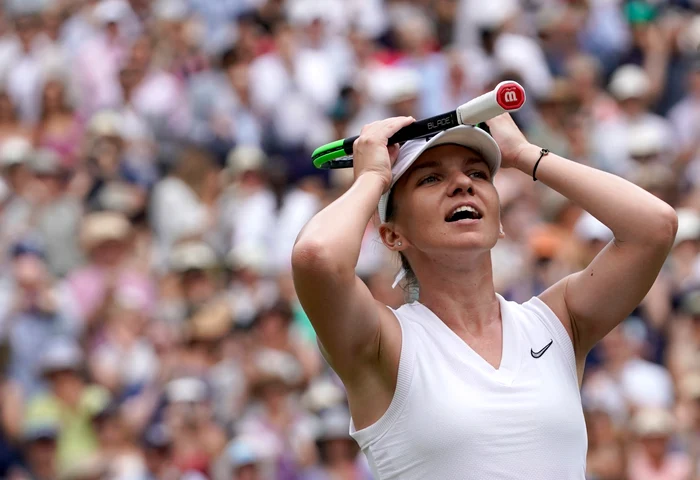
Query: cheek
{"type": "Point", "coordinates": [421, 217]}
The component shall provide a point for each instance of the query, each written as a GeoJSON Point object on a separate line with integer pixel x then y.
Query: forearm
{"type": "Point", "coordinates": [339, 228]}
{"type": "Point", "coordinates": [632, 213]}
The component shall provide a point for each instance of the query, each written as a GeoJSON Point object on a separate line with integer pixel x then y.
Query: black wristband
{"type": "Point", "coordinates": [543, 152]}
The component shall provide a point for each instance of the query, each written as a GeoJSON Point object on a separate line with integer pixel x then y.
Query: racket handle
{"type": "Point", "coordinates": [418, 129]}
{"type": "Point", "coordinates": [508, 96]}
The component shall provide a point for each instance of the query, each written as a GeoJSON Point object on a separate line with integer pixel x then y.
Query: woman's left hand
{"type": "Point", "coordinates": [509, 138]}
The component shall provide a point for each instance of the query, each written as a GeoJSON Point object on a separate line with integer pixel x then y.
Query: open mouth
{"type": "Point", "coordinates": [464, 213]}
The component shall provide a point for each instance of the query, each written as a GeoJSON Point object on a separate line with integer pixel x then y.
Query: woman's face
{"type": "Point", "coordinates": [425, 198]}
{"type": "Point", "coordinates": [7, 108]}
{"type": "Point", "coordinates": [53, 95]}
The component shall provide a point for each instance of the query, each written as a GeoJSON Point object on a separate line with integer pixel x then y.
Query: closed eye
{"type": "Point", "coordinates": [428, 179]}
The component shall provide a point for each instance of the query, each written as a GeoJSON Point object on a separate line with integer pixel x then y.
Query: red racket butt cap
{"type": "Point", "coordinates": [510, 96]}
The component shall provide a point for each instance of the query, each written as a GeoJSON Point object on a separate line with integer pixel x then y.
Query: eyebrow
{"type": "Point", "coordinates": [426, 166]}
{"type": "Point", "coordinates": [436, 163]}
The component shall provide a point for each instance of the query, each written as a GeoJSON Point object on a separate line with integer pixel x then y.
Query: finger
{"type": "Point", "coordinates": [393, 125]}
{"type": "Point", "coordinates": [502, 119]}
{"type": "Point", "coordinates": [393, 152]}
{"type": "Point", "coordinates": [381, 131]}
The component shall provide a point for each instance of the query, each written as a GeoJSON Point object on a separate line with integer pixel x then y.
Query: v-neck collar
{"type": "Point", "coordinates": [510, 357]}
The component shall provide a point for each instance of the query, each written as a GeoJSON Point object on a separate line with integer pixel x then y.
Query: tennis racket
{"type": "Point", "coordinates": [506, 97]}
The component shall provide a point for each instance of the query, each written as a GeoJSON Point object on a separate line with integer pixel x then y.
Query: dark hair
{"type": "Point", "coordinates": [410, 280]}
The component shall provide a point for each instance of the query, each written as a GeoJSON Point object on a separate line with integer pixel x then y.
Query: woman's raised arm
{"type": "Point", "coordinates": [592, 302]}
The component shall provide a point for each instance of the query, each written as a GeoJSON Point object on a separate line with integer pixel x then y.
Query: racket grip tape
{"type": "Point", "coordinates": [421, 128]}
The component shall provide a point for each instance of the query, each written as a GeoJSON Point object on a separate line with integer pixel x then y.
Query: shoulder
{"type": "Point", "coordinates": [42, 406]}
{"type": "Point", "coordinates": [534, 310]}
{"type": "Point", "coordinates": [535, 315]}
{"type": "Point", "coordinates": [95, 397]}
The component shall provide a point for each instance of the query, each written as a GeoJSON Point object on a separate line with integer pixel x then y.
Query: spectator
{"type": "Point", "coordinates": [244, 461]}
{"type": "Point", "coordinates": [97, 63]}
{"type": "Point", "coordinates": [106, 238]}
{"type": "Point", "coordinates": [10, 123]}
{"type": "Point", "coordinates": [15, 154]}
{"type": "Point", "coordinates": [250, 291]}
{"type": "Point", "coordinates": [40, 443]}
{"type": "Point", "coordinates": [234, 119]}
{"type": "Point", "coordinates": [33, 316]}
{"type": "Point", "coordinates": [198, 439]}
{"type": "Point", "coordinates": [285, 432]}
{"type": "Point", "coordinates": [59, 128]}
{"type": "Point", "coordinates": [652, 458]}
{"type": "Point", "coordinates": [632, 88]}
{"type": "Point", "coordinates": [249, 207]}
{"type": "Point", "coordinates": [157, 443]}
{"type": "Point", "coordinates": [57, 212]}
{"type": "Point", "coordinates": [190, 190]}
{"type": "Point", "coordinates": [23, 66]}
{"type": "Point", "coordinates": [606, 447]}
{"type": "Point", "coordinates": [339, 454]}
{"type": "Point", "coordinates": [71, 401]}
{"type": "Point", "coordinates": [197, 279]}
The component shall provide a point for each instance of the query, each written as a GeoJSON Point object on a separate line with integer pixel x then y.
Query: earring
{"type": "Point", "coordinates": [399, 243]}
{"type": "Point", "coordinates": [501, 228]}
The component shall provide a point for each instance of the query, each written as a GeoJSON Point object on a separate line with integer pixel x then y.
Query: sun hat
{"type": "Point", "coordinates": [628, 82]}
{"type": "Point", "coordinates": [15, 151]}
{"type": "Point", "coordinates": [464, 135]}
{"type": "Point", "coordinates": [100, 227]}
{"type": "Point", "coordinates": [62, 353]}
{"type": "Point", "coordinates": [652, 422]}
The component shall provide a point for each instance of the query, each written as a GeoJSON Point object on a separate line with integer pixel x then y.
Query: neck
{"type": "Point", "coordinates": [463, 297]}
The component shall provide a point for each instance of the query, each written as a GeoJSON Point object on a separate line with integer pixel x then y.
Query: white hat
{"type": "Point", "coordinates": [15, 150]}
{"type": "Point", "coordinates": [466, 136]}
{"type": "Point", "coordinates": [334, 425]}
{"type": "Point", "coordinates": [171, 10]}
{"type": "Point", "coordinates": [245, 158]}
{"type": "Point", "coordinates": [106, 123]}
{"type": "Point", "coordinates": [303, 13]}
{"type": "Point", "coordinates": [186, 390]}
{"type": "Point", "coordinates": [61, 353]}
{"type": "Point", "coordinates": [99, 227]}
{"type": "Point", "coordinates": [248, 256]}
{"type": "Point", "coordinates": [321, 395]}
{"type": "Point", "coordinates": [629, 81]}
{"type": "Point", "coordinates": [46, 161]}
{"type": "Point", "coordinates": [276, 365]}
{"type": "Point", "coordinates": [111, 11]}
{"type": "Point", "coordinates": [650, 422]}
{"type": "Point", "coordinates": [493, 13]}
{"type": "Point", "coordinates": [689, 37]}
{"type": "Point", "coordinates": [389, 85]}
{"type": "Point", "coordinates": [241, 451]}
{"type": "Point", "coordinates": [590, 228]}
{"type": "Point", "coordinates": [688, 225]}
{"type": "Point", "coordinates": [645, 139]}
{"type": "Point", "coordinates": [192, 255]}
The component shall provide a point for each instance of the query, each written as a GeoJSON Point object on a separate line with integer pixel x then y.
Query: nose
{"type": "Point", "coordinates": [460, 183]}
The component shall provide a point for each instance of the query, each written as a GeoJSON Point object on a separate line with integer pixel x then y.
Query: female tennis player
{"type": "Point", "coordinates": [462, 384]}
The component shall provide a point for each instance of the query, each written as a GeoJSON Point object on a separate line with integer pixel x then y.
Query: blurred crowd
{"type": "Point", "coordinates": [155, 166]}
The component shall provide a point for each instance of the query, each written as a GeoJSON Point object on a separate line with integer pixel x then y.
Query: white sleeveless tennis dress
{"type": "Point", "coordinates": [455, 417]}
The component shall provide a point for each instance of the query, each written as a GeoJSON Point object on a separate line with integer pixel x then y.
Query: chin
{"type": "Point", "coordinates": [469, 241]}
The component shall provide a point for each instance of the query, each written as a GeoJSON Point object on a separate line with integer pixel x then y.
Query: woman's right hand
{"type": "Point", "coordinates": [370, 151]}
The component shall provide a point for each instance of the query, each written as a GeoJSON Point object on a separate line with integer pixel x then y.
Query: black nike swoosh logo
{"type": "Point", "coordinates": [541, 352]}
